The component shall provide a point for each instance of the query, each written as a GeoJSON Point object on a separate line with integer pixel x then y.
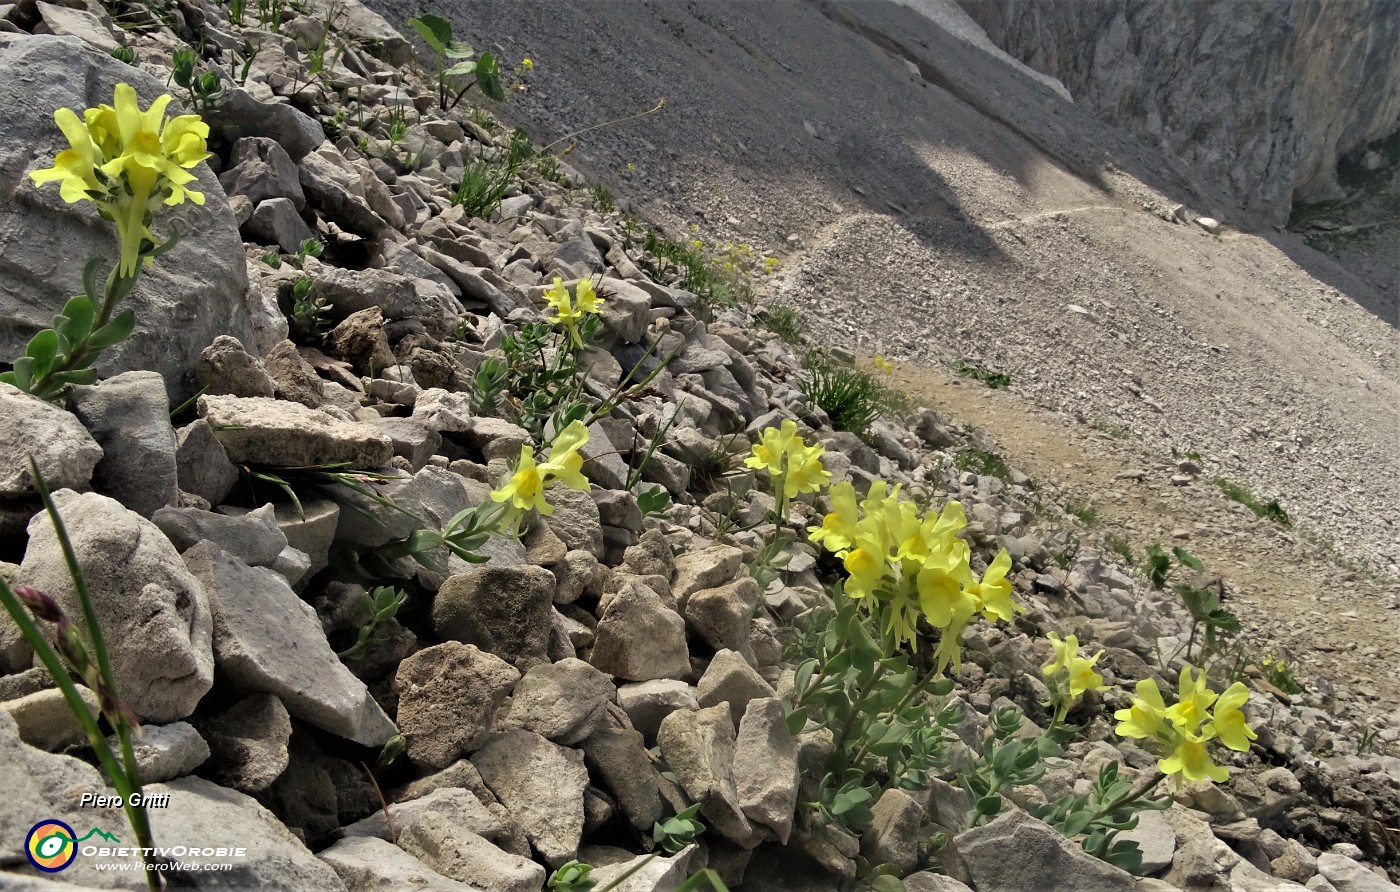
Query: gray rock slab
{"type": "Point", "coordinates": [289, 435]}
{"type": "Point", "coordinates": [368, 864]}
{"type": "Point", "coordinates": [541, 784]}
{"type": "Point", "coordinates": [62, 448]}
{"type": "Point", "coordinates": [266, 639]}
{"type": "Point", "coordinates": [155, 615]}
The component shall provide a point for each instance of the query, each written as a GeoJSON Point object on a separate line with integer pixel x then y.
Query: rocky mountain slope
{"type": "Point", "coordinates": [1266, 98]}
{"type": "Point", "coordinates": [351, 717]}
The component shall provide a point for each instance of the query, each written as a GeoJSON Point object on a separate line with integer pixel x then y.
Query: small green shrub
{"type": "Point", "coordinates": [1119, 546]}
{"type": "Point", "coordinates": [1270, 510]}
{"type": "Point", "coordinates": [1087, 513]}
{"type": "Point", "coordinates": [783, 320]}
{"type": "Point", "coordinates": [850, 397]}
{"type": "Point", "coordinates": [1110, 429]}
{"type": "Point", "coordinates": [992, 379]}
{"type": "Point", "coordinates": [982, 463]}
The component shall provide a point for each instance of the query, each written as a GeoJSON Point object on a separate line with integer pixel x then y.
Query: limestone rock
{"type": "Point", "coordinates": [367, 864]}
{"type": "Point", "coordinates": [448, 697]}
{"type": "Point", "coordinates": [617, 757]}
{"type": "Point", "coordinates": [468, 857]}
{"type": "Point", "coordinates": [155, 615]}
{"type": "Point", "coordinates": [289, 435]}
{"type": "Point", "coordinates": [248, 743]}
{"type": "Point", "coordinates": [563, 702]}
{"type": "Point", "coordinates": [62, 448]}
{"type": "Point", "coordinates": [266, 639]}
{"type": "Point", "coordinates": [165, 752]}
{"type": "Point", "coordinates": [730, 679]}
{"type": "Point", "coordinates": [765, 768]}
{"type": "Point", "coordinates": [129, 416]}
{"type": "Point", "coordinates": [999, 856]}
{"type": "Point", "coordinates": [640, 638]}
{"type": "Point", "coordinates": [699, 747]}
{"type": "Point", "coordinates": [503, 610]}
{"type": "Point", "coordinates": [541, 784]}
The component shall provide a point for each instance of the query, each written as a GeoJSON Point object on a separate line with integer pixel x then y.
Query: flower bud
{"type": "Point", "coordinates": [41, 605]}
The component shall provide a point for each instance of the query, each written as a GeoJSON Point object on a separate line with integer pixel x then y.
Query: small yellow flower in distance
{"type": "Point", "coordinates": [128, 162]}
{"type": "Point", "coordinates": [1228, 720]}
{"type": "Point", "coordinates": [1191, 760]}
{"type": "Point", "coordinates": [527, 63]}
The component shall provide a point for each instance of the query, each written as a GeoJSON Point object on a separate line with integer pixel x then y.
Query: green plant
{"type": "Point", "coordinates": [484, 183]}
{"type": "Point", "coordinates": [204, 89]}
{"type": "Point", "coordinates": [572, 876]}
{"type": "Point", "coordinates": [384, 603]}
{"type": "Point", "coordinates": [1006, 761]}
{"type": "Point", "coordinates": [69, 656]}
{"type": "Point", "coordinates": [982, 463]}
{"type": "Point", "coordinates": [1100, 815]}
{"type": "Point", "coordinates": [236, 9]}
{"type": "Point", "coordinates": [1367, 743]}
{"type": "Point", "coordinates": [273, 259]}
{"type": "Point", "coordinates": [1280, 675]}
{"type": "Point", "coordinates": [397, 127]}
{"type": "Point", "coordinates": [1203, 604]}
{"type": "Point", "coordinates": [1115, 431]}
{"type": "Point", "coordinates": [310, 316]}
{"type": "Point", "coordinates": [678, 831]}
{"type": "Point", "coordinates": [270, 14]}
{"type": "Point", "coordinates": [850, 397]}
{"type": "Point", "coordinates": [603, 200]}
{"type": "Point", "coordinates": [1119, 546]}
{"type": "Point", "coordinates": [783, 320]}
{"type": "Point", "coordinates": [653, 501]}
{"type": "Point", "coordinates": [1270, 510]}
{"type": "Point", "coordinates": [1191, 454]}
{"type": "Point", "coordinates": [114, 174]}
{"type": "Point", "coordinates": [484, 70]}
{"type": "Point", "coordinates": [992, 379]}
{"type": "Point", "coordinates": [1087, 513]}
{"type": "Point", "coordinates": [124, 54]}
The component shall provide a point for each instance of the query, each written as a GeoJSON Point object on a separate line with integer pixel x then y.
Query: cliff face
{"type": "Point", "coordinates": [1263, 96]}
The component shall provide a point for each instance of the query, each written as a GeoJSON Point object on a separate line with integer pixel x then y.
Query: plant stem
{"type": "Point", "coordinates": [1132, 796]}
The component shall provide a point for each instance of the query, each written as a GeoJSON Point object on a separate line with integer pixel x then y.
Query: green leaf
{"type": "Point", "coordinates": [987, 806]}
{"type": "Point", "coordinates": [20, 376]}
{"type": "Point", "coordinates": [796, 721]}
{"type": "Point", "coordinates": [1187, 559]}
{"type": "Point", "coordinates": [75, 376]}
{"type": "Point", "coordinates": [802, 676]}
{"type": "Point", "coordinates": [435, 31]}
{"type": "Point", "coordinates": [488, 77]}
{"type": "Point", "coordinates": [653, 501]}
{"type": "Point", "coordinates": [887, 883]}
{"type": "Point", "coordinates": [43, 349]}
{"type": "Point", "coordinates": [114, 332]}
{"type": "Point", "coordinates": [424, 540]}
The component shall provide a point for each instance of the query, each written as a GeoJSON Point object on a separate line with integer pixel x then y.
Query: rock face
{"type": "Point", "coordinates": [62, 448]}
{"type": "Point", "coordinates": [1319, 81]}
{"type": "Point", "coordinates": [155, 616]}
{"type": "Point", "coordinates": [44, 242]}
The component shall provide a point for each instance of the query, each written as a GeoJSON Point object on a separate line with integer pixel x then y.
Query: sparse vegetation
{"type": "Point", "coordinates": [851, 398]}
{"type": "Point", "coordinates": [1119, 546]}
{"type": "Point", "coordinates": [992, 379]}
{"type": "Point", "coordinates": [1270, 510]}
{"type": "Point", "coordinates": [982, 463]}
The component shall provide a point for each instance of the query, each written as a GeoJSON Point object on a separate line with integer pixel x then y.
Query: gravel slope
{"type": "Point", "coordinates": [932, 204]}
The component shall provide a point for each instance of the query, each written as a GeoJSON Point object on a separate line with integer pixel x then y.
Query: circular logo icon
{"type": "Point", "coordinates": [51, 846]}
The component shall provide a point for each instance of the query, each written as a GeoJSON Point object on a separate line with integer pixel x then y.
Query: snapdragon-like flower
{"type": "Point", "coordinates": [1179, 733]}
{"type": "Point", "coordinates": [570, 312]}
{"type": "Point", "coordinates": [787, 458]}
{"type": "Point", "coordinates": [1079, 671]}
{"type": "Point", "coordinates": [525, 489]}
{"type": "Point", "coordinates": [909, 564]}
{"type": "Point", "coordinates": [129, 162]}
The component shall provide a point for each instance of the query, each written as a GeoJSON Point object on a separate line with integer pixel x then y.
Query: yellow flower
{"type": "Point", "coordinates": [1228, 720]}
{"type": "Point", "coordinates": [787, 457]}
{"type": "Point", "coordinates": [570, 311]}
{"type": "Point", "coordinates": [1192, 700]}
{"type": "Point", "coordinates": [1082, 676]}
{"type": "Point", "coordinates": [942, 597]}
{"type": "Point", "coordinates": [525, 489]}
{"type": "Point", "coordinates": [993, 593]}
{"type": "Point", "coordinates": [128, 162]}
{"type": "Point", "coordinates": [527, 63]}
{"type": "Point", "coordinates": [867, 566]}
{"type": "Point", "coordinates": [1191, 759]}
{"type": "Point", "coordinates": [838, 530]}
{"type": "Point", "coordinates": [1146, 718]}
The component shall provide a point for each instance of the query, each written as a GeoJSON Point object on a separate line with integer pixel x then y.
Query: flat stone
{"type": "Point", "coordinates": [288, 435]}
{"type": "Point", "coordinates": [248, 743]}
{"type": "Point", "coordinates": [253, 538]}
{"type": "Point", "coordinates": [617, 758]}
{"type": "Point", "coordinates": [730, 679]}
{"type": "Point", "coordinates": [266, 639]}
{"type": "Point", "coordinates": [368, 864]}
{"type": "Point", "coordinates": [639, 637]}
{"type": "Point", "coordinates": [999, 856]}
{"type": "Point", "coordinates": [469, 858]}
{"type": "Point", "coordinates": [45, 720]}
{"type": "Point", "coordinates": [541, 784]}
{"type": "Point", "coordinates": [165, 752]}
{"type": "Point", "coordinates": [765, 767]}
{"type": "Point", "coordinates": [201, 464]}
{"type": "Point", "coordinates": [129, 416]}
{"type": "Point", "coordinates": [563, 702]}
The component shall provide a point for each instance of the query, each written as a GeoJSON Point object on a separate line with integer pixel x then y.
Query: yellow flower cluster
{"type": "Point", "coordinates": [128, 162]}
{"type": "Point", "coordinates": [569, 312]}
{"type": "Point", "coordinates": [525, 489]}
{"type": "Point", "coordinates": [915, 564]}
{"type": "Point", "coordinates": [1078, 671]}
{"type": "Point", "coordinates": [1180, 732]}
{"type": "Point", "coordinates": [789, 460]}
